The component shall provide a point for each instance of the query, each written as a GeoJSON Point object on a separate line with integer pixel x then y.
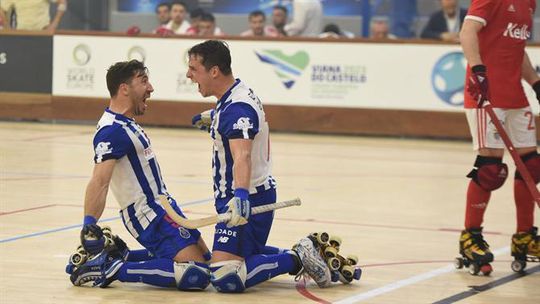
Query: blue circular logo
{"type": "Point", "coordinates": [448, 78]}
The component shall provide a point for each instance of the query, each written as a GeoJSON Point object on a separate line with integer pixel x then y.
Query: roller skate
{"type": "Point", "coordinates": [114, 246]}
{"type": "Point", "coordinates": [343, 269]}
{"type": "Point", "coordinates": [475, 253]}
{"type": "Point", "coordinates": [100, 269]}
{"type": "Point", "coordinates": [312, 262]}
{"type": "Point", "coordinates": [525, 248]}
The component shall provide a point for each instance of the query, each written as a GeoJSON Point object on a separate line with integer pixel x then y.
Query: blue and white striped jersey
{"type": "Point", "coordinates": [240, 114]}
{"type": "Point", "coordinates": [136, 181]}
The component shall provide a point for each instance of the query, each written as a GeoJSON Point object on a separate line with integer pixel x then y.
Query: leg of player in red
{"type": "Point", "coordinates": [483, 44]}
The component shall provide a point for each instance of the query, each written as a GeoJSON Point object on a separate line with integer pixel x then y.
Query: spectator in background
{"type": "Point", "coordinates": [195, 17]}
{"type": "Point", "coordinates": [279, 19]}
{"type": "Point", "coordinates": [207, 26]}
{"type": "Point", "coordinates": [163, 12]}
{"type": "Point", "coordinates": [178, 23]}
{"type": "Point", "coordinates": [258, 27]}
{"type": "Point", "coordinates": [332, 30]}
{"type": "Point", "coordinates": [380, 29]}
{"type": "Point", "coordinates": [307, 19]}
{"type": "Point", "coordinates": [34, 14]}
{"type": "Point", "coordinates": [445, 24]}
{"type": "Point", "coordinates": [3, 19]}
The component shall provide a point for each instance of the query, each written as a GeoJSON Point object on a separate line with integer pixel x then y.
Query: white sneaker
{"type": "Point", "coordinates": [312, 262]}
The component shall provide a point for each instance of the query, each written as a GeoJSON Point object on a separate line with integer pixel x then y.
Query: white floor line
{"type": "Point", "coordinates": [409, 281]}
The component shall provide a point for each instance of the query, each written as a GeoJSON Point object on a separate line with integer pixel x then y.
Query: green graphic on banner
{"type": "Point", "coordinates": [287, 68]}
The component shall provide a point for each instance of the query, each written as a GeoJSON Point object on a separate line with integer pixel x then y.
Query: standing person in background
{"type": "Point", "coordinates": [258, 27]}
{"type": "Point", "coordinates": [279, 19]}
{"type": "Point", "coordinates": [445, 24]}
{"type": "Point", "coordinates": [178, 23]}
{"type": "Point", "coordinates": [493, 39]}
{"type": "Point", "coordinates": [34, 14]}
{"type": "Point", "coordinates": [307, 19]}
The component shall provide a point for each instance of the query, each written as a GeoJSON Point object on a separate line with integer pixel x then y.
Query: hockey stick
{"type": "Point", "coordinates": [219, 218]}
{"type": "Point", "coordinates": [531, 185]}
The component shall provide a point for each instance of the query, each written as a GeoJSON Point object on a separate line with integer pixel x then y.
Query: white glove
{"type": "Point", "coordinates": [240, 210]}
{"type": "Point", "coordinates": [203, 121]}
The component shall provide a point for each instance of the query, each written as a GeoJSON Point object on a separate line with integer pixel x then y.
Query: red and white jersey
{"type": "Point", "coordinates": [507, 26]}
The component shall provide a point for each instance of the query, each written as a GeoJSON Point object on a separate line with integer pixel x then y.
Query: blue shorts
{"type": "Point", "coordinates": [164, 238]}
{"type": "Point", "coordinates": [248, 239]}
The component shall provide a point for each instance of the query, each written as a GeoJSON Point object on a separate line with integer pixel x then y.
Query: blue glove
{"type": "Point", "coordinates": [92, 238]}
{"type": "Point", "coordinates": [239, 207]}
{"type": "Point", "coordinates": [203, 121]}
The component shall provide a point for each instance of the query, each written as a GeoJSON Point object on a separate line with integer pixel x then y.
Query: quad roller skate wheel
{"type": "Point", "coordinates": [335, 241]}
{"type": "Point", "coordinates": [334, 263]}
{"type": "Point", "coordinates": [77, 259]}
{"type": "Point", "coordinates": [352, 260]}
{"type": "Point", "coordinates": [518, 265]}
{"type": "Point", "coordinates": [321, 237]}
{"type": "Point", "coordinates": [486, 269]}
{"type": "Point", "coordinates": [474, 268]}
{"type": "Point", "coordinates": [348, 272]}
{"type": "Point", "coordinates": [458, 263]}
{"type": "Point", "coordinates": [330, 252]}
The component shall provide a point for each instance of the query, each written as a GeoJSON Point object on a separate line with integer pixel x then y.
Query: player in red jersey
{"type": "Point", "coordinates": [493, 38]}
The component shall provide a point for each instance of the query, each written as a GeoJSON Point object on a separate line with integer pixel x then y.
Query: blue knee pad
{"type": "Point", "coordinates": [191, 275]}
{"type": "Point", "coordinates": [229, 276]}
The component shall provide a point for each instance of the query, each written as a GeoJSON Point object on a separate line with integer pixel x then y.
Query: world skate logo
{"type": "Point", "coordinates": [287, 68]}
{"type": "Point", "coordinates": [243, 124]}
{"type": "Point", "coordinates": [103, 148]}
{"type": "Point", "coordinates": [514, 31]}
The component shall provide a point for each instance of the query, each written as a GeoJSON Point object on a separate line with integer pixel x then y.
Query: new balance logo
{"type": "Point", "coordinates": [511, 8]}
{"type": "Point", "coordinates": [223, 239]}
{"type": "Point", "coordinates": [513, 31]}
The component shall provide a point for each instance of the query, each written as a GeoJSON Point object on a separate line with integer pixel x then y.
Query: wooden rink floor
{"type": "Point", "coordinates": [397, 203]}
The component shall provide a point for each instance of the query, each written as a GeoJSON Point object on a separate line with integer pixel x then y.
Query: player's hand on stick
{"type": "Point", "coordinates": [203, 121]}
{"type": "Point", "coordinates": [92, 236]}
{"type": "Point", "coordinates": [478, 84]}
{"type": "Point", "coordinates": [239, 207]}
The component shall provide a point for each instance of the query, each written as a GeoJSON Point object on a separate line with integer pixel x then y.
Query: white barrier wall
{"type": "Point", "coordinates": [357, 75]}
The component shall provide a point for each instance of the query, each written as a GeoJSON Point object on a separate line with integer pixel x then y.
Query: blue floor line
{"type": "Point", "coordinates": [24, 236]}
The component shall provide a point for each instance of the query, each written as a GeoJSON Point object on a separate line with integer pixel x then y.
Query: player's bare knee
{"type": "Point", "coordinates": [489, 173]}
{"type": "Point", "coordinates": [191, 275]}
{"type": "Point", "coordinates": [229, 276]}
{"type": "Point", "coordinates": [532, 163]}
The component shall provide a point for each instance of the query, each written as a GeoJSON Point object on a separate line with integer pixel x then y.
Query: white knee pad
{"type": "Point", "coordinates": [229, 276]}
{"type": "Point", "coordinates": [191, 275]}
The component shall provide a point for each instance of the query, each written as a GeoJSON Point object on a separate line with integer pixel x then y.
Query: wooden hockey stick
{"type": "Point", "coordinates": [219, 218]}
{"type": "Point", "coordinates": [531, 185]}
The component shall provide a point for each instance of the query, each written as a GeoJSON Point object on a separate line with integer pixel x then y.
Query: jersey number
{"type": "Point", "coordinates": [531, 120]}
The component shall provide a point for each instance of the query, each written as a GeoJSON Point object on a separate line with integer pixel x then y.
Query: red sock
{"type": "Point", "coordinates": [524, 206]}
{"type": "Point", "coordinates": [477, 201]}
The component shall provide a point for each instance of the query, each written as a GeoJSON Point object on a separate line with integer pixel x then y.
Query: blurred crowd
{"type": "Point", "coordinates": [305, 19]}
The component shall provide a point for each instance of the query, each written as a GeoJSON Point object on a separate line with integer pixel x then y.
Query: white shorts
{"type": "Point", "coordinates": [518, 123]}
